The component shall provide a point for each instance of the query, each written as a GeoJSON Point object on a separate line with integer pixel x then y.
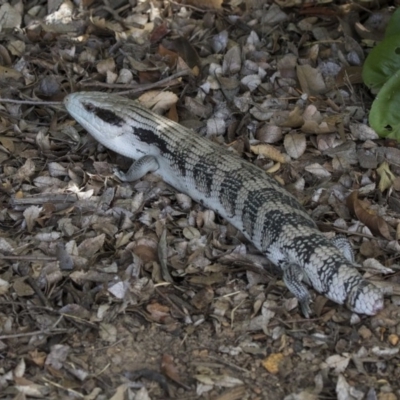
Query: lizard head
{"type": "Point", "coordinates": [110, 120]}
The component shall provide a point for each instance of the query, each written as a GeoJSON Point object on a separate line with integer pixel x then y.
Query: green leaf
{"type": "Point", "coordinates": [382, 62]}
{"type": "Point", "coordinates": [393, 27]}
{"type": "Point", "coordinates": [384, 117]}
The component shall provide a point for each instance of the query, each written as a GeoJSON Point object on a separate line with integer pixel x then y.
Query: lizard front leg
{"type": "Point", "coordinates": [138, 169]}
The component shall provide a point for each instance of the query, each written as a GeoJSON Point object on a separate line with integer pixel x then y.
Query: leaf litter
{"type": "Point", "coordinates": [110, 290]}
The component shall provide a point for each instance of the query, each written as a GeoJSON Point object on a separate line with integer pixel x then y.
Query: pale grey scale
{"type": "Point", "coordinates": [342, 243]}
{"type": "Point", "coordinates": [203, 174]}
{"type": "Point", "coordinates": [207, 163]}
{"type": "Point", "coordinates": [256, 184]}
{"type": "Point", "coordinates": [228, 191]}
{"type": "Point", "coordinates": [263, 219]}
{"type": "Point", "coordinates": [282, 241]}
{"type": "Point", "coordinates": [184, 159]}
{"type": "Point", "coordinates": [239, 205]}
{"type": "Point", "coordinates": [264, 239]}
{"type": "Point", "coordinates": [207, 155]}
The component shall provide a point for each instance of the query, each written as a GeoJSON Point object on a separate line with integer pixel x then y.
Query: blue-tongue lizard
{"type": "Point", "coordinates": [268, 215]}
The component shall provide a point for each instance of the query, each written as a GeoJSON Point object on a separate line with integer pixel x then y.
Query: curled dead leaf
{"type": "Point", "coordinates": [374, 222]}
{"type": "Point", "coordinates": [270, 152]}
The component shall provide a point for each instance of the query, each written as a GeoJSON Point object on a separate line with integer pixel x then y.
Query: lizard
{"type": "Point", "coordinates": [245, 195]}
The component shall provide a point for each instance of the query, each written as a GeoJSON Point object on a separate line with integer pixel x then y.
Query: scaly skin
{"type": "Point", "coordinates": [269, 216]}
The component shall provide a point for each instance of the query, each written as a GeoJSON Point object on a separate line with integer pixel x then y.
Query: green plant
{"type": "Point", "coordinates": [381, 73]}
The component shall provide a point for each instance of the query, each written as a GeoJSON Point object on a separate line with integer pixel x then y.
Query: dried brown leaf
{"type": "Point", "coordinates": [123, 238]}
{"type": "Point", "coordinates": [349, 75]}
{"type": "Point", "coordinates": [374, 222]}
{"type": "Point", "coordinates": [269, 133]}
{"type": "Point", "coordinates": [232, 61]}
{"type": "Point", "coordinates": [8, 73]}
{"type": "Point", "coordinates": [10, 17]}
{"type": "Point", "coordinates": [292, 119]}
{"type": "Point", "coordinates": [158, 101]}
{"type": "Point", "coordinates": [26, 387]}
{"type": "Point", "coordinates": [270, 152]}
{"type": "Point", "coordinates": [148, 76]}
{"type": "Point", "coordinates": [251, 82]}
{"type": "Point", "coordinates": [170, 369]}
{"type": "Point", "coordinates": [194, 106]}
{"type": "Point", "coordinates": [386, 175]}
{"type": "Point", "coordinates": [31, 214]}
{"type": "Point", "coordinates": [170, 56]}
{"type": "Point", "coordinates": [363, 132]}
{"type": "Point", "coordinates": [38, 357]}
{"type": "Point", "coordinates": [311, 80]}
{"type": "Point", "coordinates": [146, 249]}
{"type": "Point", "coordinates": [295, 144]}
{"type": "Point", "coordinates": [318, 170]}
{"type": "Point", "coordinates": [173, 113]}
{"type": "Point", "coordinates": [203, 298]}
{"type": "Point", "coordinates": [158, 33]}
{"type": "Point", "coordinates": [91, 246]}
{"type": "Point", "coordinates": [22, 289]}
{"type": "Point", "coordinates": [26, 171]}
{"type": "Point", "coordinates": [158, 312]}
{"type": "Point", "coordinates": [19, 370]}
{"type": "Point", "coordinates": [370, 249]}
{"type": "Point", "coordinates": [186, 51]}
